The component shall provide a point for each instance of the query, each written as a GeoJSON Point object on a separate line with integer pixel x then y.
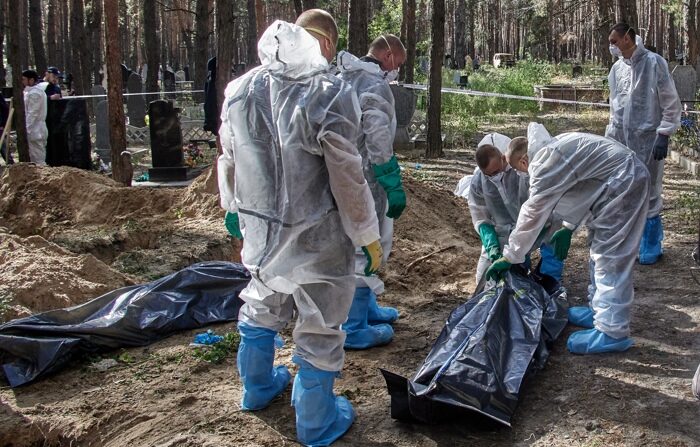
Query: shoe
{"type": "Point", "coordinates": [361, 335]}
{"type": "Point", "coordinates": [375, 313]}
{"type": "Point", "coordinates": [581, 316]}
{"type": "Point", "coordinates": [321, 416]}
{"type": "Point", "coordinates": [592, 341]}
{"type": "Point", "coordinates": [261, 381]}
{"type": "Point", "coordinates": [650, 247]}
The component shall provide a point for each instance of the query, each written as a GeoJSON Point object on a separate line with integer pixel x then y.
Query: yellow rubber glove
{"type": "Point", "coordinates": [374, 253]}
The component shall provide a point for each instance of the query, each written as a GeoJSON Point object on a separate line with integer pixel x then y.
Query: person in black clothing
{"type": "Point", "coordinates": [51, 83]}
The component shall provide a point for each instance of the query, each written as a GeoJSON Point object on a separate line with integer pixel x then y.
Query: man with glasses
{"type": "Point", "coordinates": [644, 112]}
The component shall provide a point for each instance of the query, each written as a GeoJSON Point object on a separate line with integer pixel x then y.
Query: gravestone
{"type": "Point", "coordinates": [686, 79]}
{"type": "Point", "coordinates": [166, 142]}
{"type": "Point", "coordinates": [102, 131]}
{"type": "Point", "coordinates": [97, 90]}
{"type": "Point", "coordinates": [69, 133]}
{"type": "Point", "coordinates": [136, 104]}
{"type": "Point", "coordinates": [576, 71]}
{"type": "Point", "coordinates": [180, 76]}
{"type": "Point", "coordinates": [186, 69]}
{"type": "Point", "coordinates": [405, 105]}
{"type": "Point", "coordinates": [169, 80]}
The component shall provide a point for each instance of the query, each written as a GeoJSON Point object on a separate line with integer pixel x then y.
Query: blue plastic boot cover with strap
{"type": "Point", "coordinates": [360, 335]}
{"type": "Point", "coordinates": [256, 354]}
{"type": "Point", "coordinates": [581, 316]}
{"type": "Point", "coordinates": [592, 341]}
{"type": "Point", "coordinates": [377, 314]}
{"type": "Point", "coordinates": [321, 416]}
{"type": "Point", "coordinates": [650, 248]}
{"type": "Point", "coordinates": [550, 265]}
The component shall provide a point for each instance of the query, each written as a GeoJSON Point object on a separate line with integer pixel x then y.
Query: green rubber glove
{"type": "Point", "coordinates": [374, 253]}
{"type": "Point", "coordinates": [500, 266]}
{"type": "Point", "coordinates": [389, 176]}
{"type": "Point", "coordinates": [561, 240]}
{"type": "Point", "coordinates": [489, 239]}
{"type": "Point", "coordinates": [232, 225]}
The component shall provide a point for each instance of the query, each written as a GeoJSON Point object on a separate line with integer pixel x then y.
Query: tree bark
{"type": "Point", "coordinates": [201, 43]}
{"type": "Point", "coordinates": [37, 32]}
{"type": "Point", "coordinates": [693, 33]}
{"type": "Point", "coordinates": [357, 27]}
{"type": "Point", "coordinates": [408, 68]}
{"type": "Point", "coordinates": [96, 39]}
{"type": "Point", "coordinates": [152, 47]}
{"type": "Point", "coordinates": [80, 53]}
{"type": "Point", "coordinates": [225, 22]}
{"type": "Point", "coordinates": [3, 16]}
{"type": "Point", "coordinates": [298, 7]}
{"type": "Point", "coordinates": [117, 129]}
{"type": "Point", "coordinates": [252, 37]}
{"type": "Point", "coordinates": [437, 51]}
{"type": "Point", "coordinates": [460, 28]}
{"type": "Point", "coordinates": [14, 37]}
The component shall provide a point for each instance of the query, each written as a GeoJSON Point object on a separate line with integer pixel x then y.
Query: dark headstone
{"type": "Point", "coordinates": [186, 69]}
{"type": "Point", "coordinates": [126, 72]}
{"type": "Point", "coordinates": [97, 90]}
{"type": "Point", "coordinates": [211, 109]}
{"type": "Point", "coordinates": [169, 80]}
{"type": "Point", "coordinates": [576, 71]}
{"type": "Point", "coordinates": [136, 104]}
{"type": "Point", "coordinates": [102, 131]}
{"type": "Point", "coordinates": [69, 133]}
{"type": "Point", "coordinates": [405, 105]}
{"type": "Point", "coordinates": [166, 142]}
{"type": "Point", "coordinates": [685, 79]}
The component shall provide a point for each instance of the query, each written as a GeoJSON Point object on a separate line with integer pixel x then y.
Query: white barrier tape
{"type": "Point", "coordinates": [177, 92]}
{"type": "Point", "coordinates": [506, 96]}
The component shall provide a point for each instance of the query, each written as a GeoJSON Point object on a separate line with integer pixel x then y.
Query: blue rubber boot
{"type": "Point", "coordinates": [650, 248]}
{"type": "Point", "coordinates": [581, 316]}
{"type": "Point", "coordinates": [261, 381]}
{"type": "Point", "coordinates": [592, 341]}
{"type": "Point", "coordinates": [360, 335]}
{"type": "Point", "coordinates": [375, 313]}
{"type": "Point", "coordinates": [321, 416]}
{"type": "Point", "coordinates": [550, 265]}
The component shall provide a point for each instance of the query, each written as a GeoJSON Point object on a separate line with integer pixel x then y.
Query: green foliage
{"type": "Point", "coordinates": [686, 210]}
{"type": "Point", "coordinates": [387, 20]}
{"type": "Point", "coordinates": [218, 352]}
{"type": "Point", "coordinates": [4, 306]}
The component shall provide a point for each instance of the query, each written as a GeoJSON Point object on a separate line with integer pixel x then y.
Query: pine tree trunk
{"type": "Point", "coordinates": [113, 59]}
{"type": "Point", "coordinates": [96, 39]}
{"type": "Point", "coordinates": [252, 36]}
{"type": "Point", "coordinates": [460, 27]}
{"type": "Point", "coordinates": [201, 44]}
{"type": "Point", "coordinates": [225, 24]}
{"type": "Point", "coordinates": [3, 15]}
{"type": "Point", "coordinates": [357, 27]}
{"type": "Point", "coordinates": [14, 38]}
{"type": "Point", "coordinates": [150, 24]}
{"type": "Point", "coordinates": [437, 51]}
{"type": "Point", "coordinates": [37, 32]}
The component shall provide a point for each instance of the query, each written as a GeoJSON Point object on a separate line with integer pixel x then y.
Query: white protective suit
{"type": "Point", "coordinates": [375, 144]}
{"type": "Point", "coordinates": [291, 169]}
{"type": "Point", "coordinates": [35, 109]}
{"type": "Point", "coordinates": [496, 202]}
{"type": "Point", "coordinates": [643, 102]}
{"type": "Point", "coordinates": [593, 180]}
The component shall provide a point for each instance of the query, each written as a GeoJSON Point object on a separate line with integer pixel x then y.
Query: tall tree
{"type": "Point", "coordinates": [96, 38]}
{"type": "Point", "coordinates": [437, 52]}
{"type": "Point", "coordinates": [460, 31]}
{"type": "Point", "coordinates": [693, 32]}
{"type": "Point", "coordinates": [357, 27]}
{"type": "Point", "coordinates": [225, 22]}
{"type": "Point", "coordinates": [80, 52]}
{"type": "Point", "coordinates": [252, 37]}
{"type": "Point", "coordinates": [150, 24]}
{"type": "Point", "coordinates": [3, 15]}
{"type": "Point", "coordinates": [408, 36]}
{"type": "Point", "coordinates": [52, 34]}
{"type": "Point", "coordinates": [15, 36]}
{"type": "Point", "coordinates": [117, 128]}
{"type": "Point", "coordinates": [201, 43]}
{"type": "Point", "coordinates": [37, 32]}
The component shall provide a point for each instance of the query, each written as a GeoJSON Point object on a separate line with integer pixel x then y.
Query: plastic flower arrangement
{"type": "Point", "coordinates": [193, 155]}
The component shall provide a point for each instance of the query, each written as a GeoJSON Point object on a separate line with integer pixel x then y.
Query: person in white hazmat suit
{"type": "Point", "coordinates": [496, 192]}
{"type": "Point", "coordinates": [291, 181]}
{"type": "Point", "coordinates": [645, 111]}
{"type": "Point", "coordinates": [368, 324]}
{"type": "Point", "coordinates": [598, 182]}
{"type": "Point", "coordinates": [35, 109]}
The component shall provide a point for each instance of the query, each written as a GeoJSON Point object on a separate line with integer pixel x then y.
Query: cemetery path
{"type": "Point", "coordinates": [161, 395]}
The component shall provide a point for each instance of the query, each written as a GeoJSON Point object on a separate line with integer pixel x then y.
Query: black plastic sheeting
{"type": "Point", "coordinates": [200, 294]}
{"type": "Point", "coordinates": [488, 347]}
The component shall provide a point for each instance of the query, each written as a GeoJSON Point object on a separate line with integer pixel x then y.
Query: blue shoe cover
{"type": "Point", "coordinates": [650, 249]}
{"type": "Point", "coordinates": [581, 316]}
{"type": "Point", "coordinates": [321, 416]}
{"type": "Point", "coordinates": [550, 264]}
{"type": "Point", "coordinates": [261, 381]}
{"type": "Point", "coordinates": [375, 313]}
{"type": "Point", "coordinates": [360, 335]}
{"type": "Point", "coordinates": [592, 341]}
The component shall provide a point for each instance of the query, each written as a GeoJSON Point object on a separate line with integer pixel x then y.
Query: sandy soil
{"type": "Point", "coordinates": [78, 234]}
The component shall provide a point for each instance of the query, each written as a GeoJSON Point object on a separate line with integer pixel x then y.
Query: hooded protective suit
{"type": "Point", "coordinates": [595, 181]}
{"type": "Point", "coordinates": [298, 186]}
{"type": "Point", "coordinates": [643, 103]}
{"type": "Point", "coordinates": [375, 145]}
{"type": "Point", "coordinates": [35, 108]}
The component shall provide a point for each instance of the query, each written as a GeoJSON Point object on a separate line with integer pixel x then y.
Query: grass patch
{"type": "Point", "coordinates": [218, 352]}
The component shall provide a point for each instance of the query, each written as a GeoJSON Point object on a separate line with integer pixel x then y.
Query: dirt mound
{"type": "Point", "coordinates": [38, 275]}
{"type": "Point", "coordinates": [201, 198]}
{"type": "Point", "coordinates": [34, 200]}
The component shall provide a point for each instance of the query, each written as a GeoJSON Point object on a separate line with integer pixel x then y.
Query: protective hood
{"type": "Point", "coordinates": [289, 50]}
{"type": "Point", "coordinates": [496, 139]}
{"type": "Point", "coordinates": [348, 62]}
{"type": "Point", "coordinates": [537, 138]}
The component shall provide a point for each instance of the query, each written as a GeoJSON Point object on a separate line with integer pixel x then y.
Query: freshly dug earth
{"type": "Point", "coordinates": [162, 395]}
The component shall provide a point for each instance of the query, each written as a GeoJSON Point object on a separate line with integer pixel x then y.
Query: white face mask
{"type": "Point", "coordinates": [615, 51]}
{"type": "Point", "coordinates": [496, 178]}
{"type": "Point", "coordinates": [391, 75]}
{"type": "Point", "coordinates": [521, 174]}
